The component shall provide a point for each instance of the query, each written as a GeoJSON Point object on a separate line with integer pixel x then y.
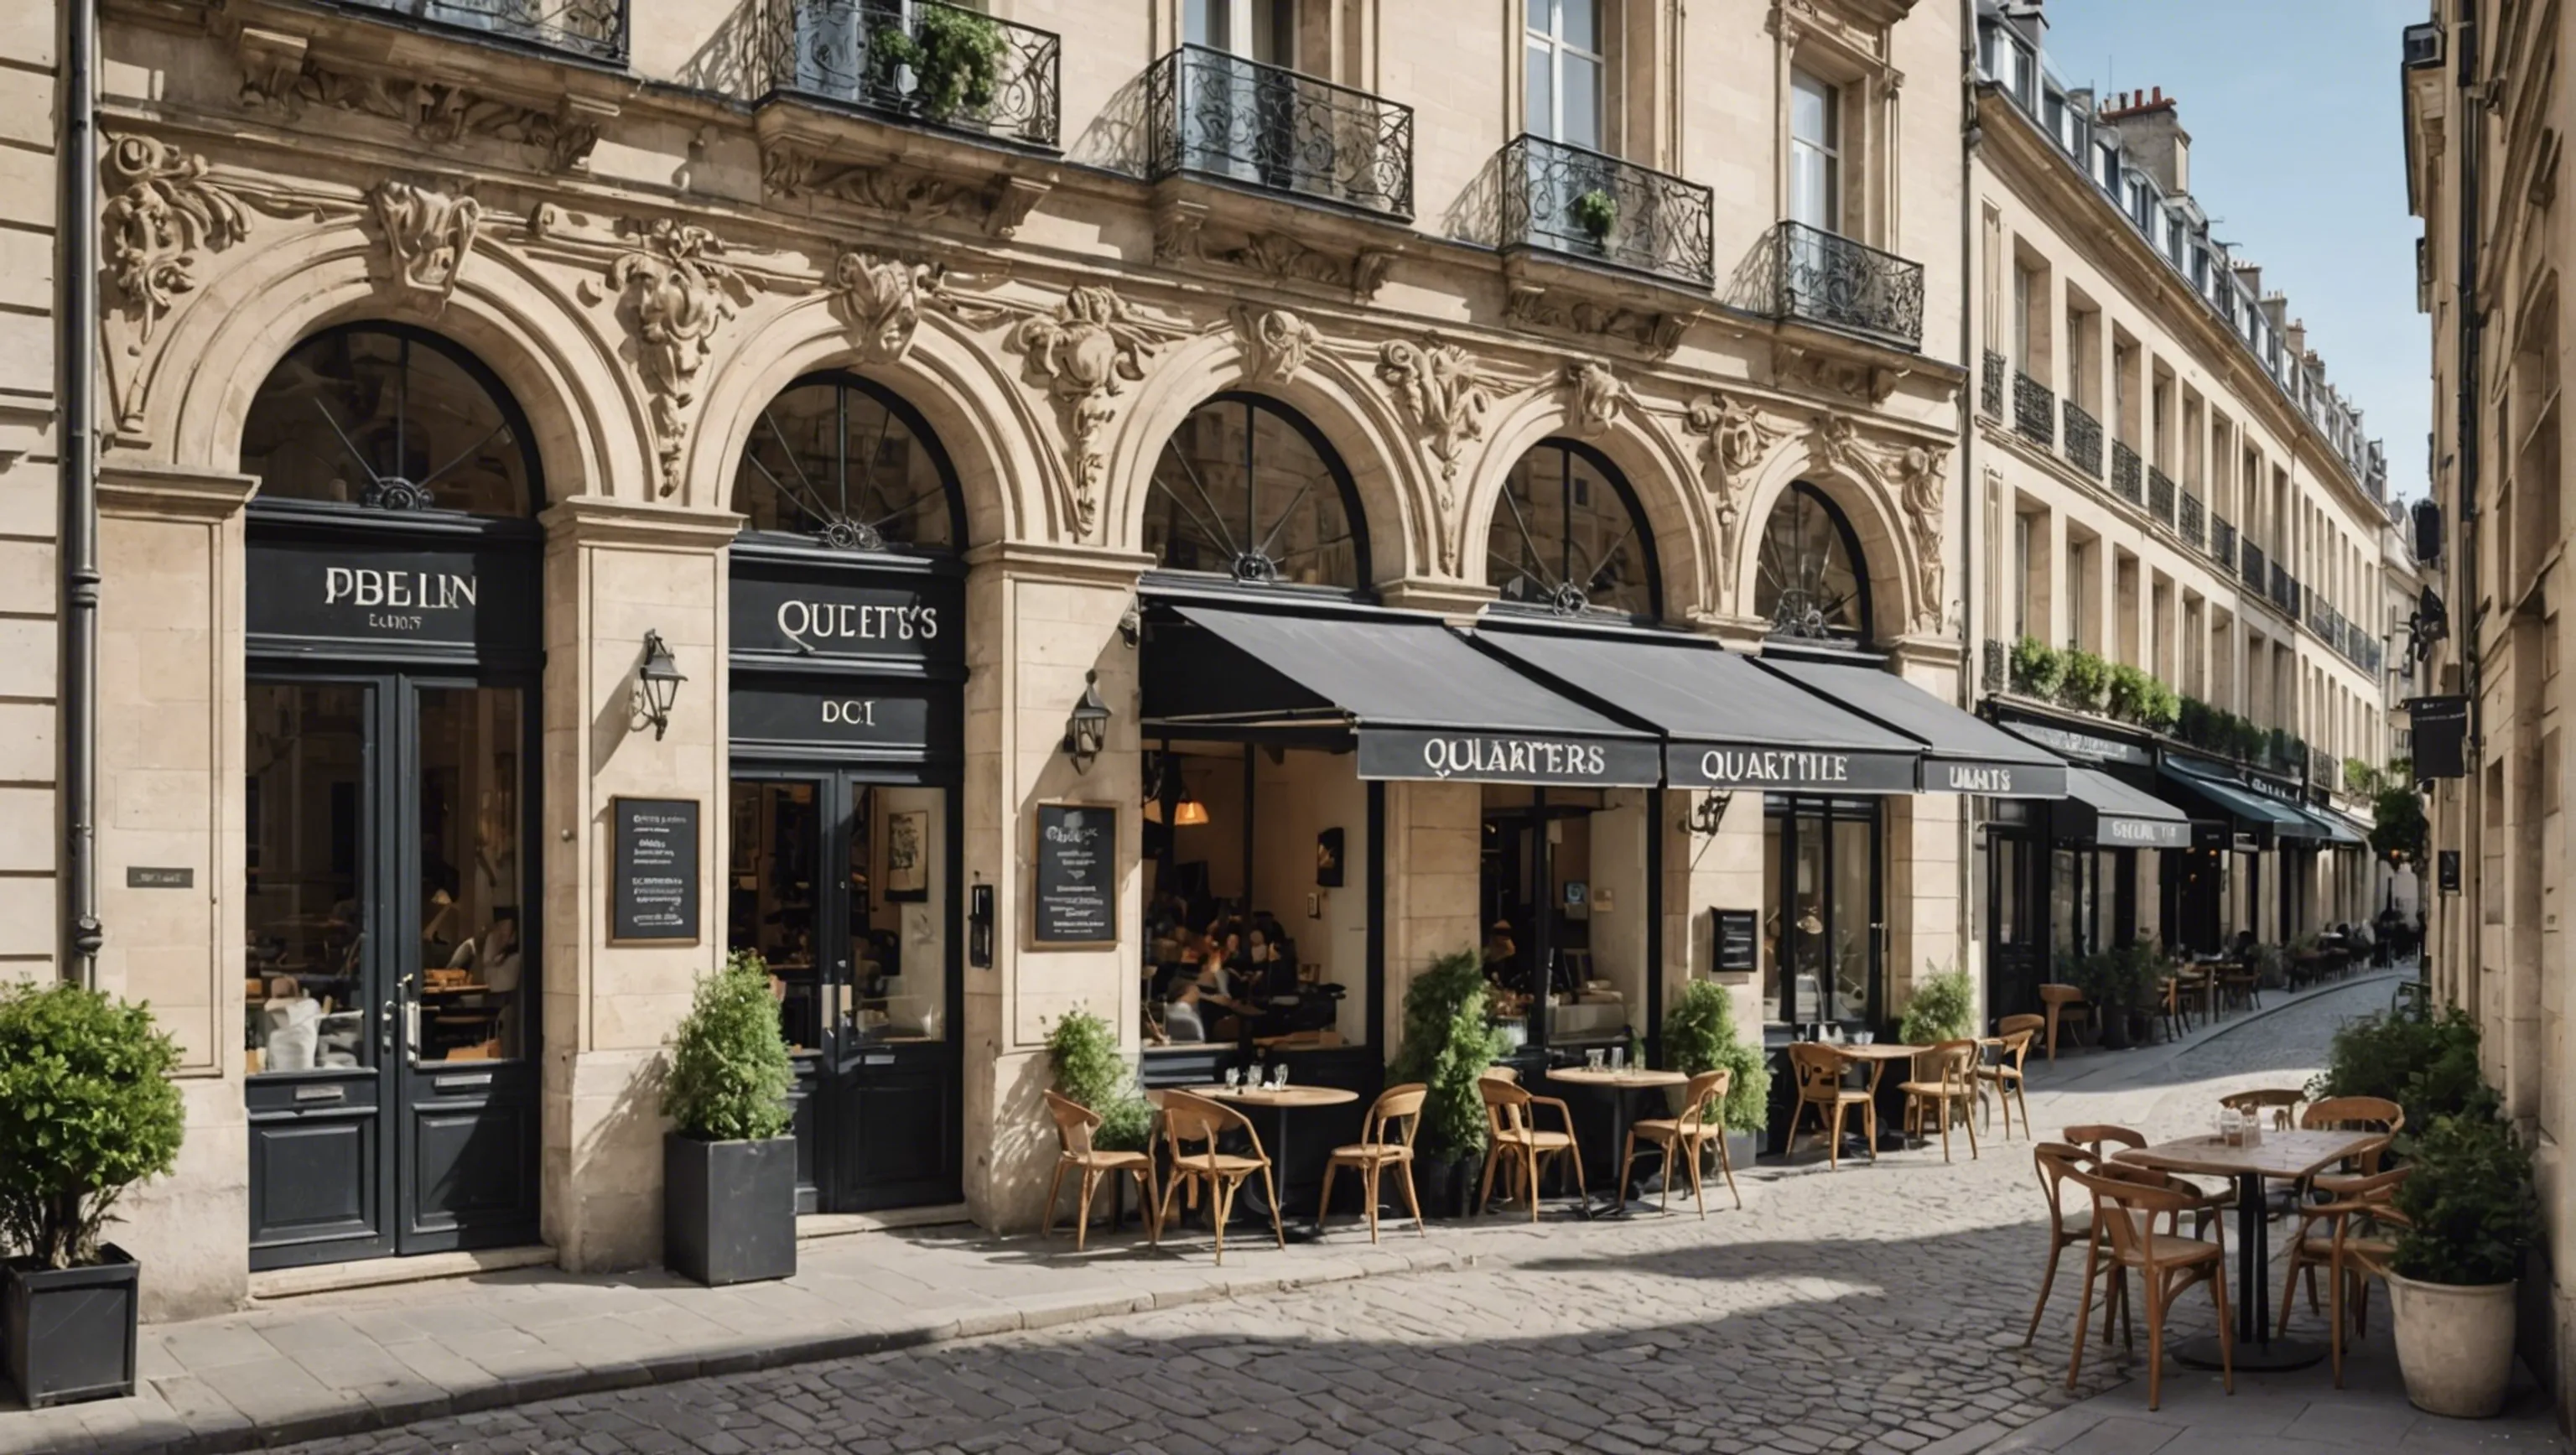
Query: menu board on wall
{"type": "Point", "coordinates": [1074, 875]}
{"type": "Point", "coordinates": [653, 871]}
{"type": "Point", "coordinates": [1736, 929]}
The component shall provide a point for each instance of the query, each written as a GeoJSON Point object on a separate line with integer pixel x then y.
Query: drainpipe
{"type": "Point", "coordinates": [1973, 921]}
{"type": "Point", "coordinates": [77, 365]}
{"type": "Point", "coordinates": [2469, 619]}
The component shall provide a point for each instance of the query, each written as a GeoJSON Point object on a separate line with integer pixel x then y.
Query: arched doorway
{"type": "Point", "coordinates": [392, 854]}
{"type": "Point", "coordinates": [847, 650]}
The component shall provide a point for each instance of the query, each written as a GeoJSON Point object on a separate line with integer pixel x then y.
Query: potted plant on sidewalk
{"type": "Point", "coordinates": [1090, 1070]}
{"type": "Point", "coordinates": [1447, 1046]}
{"type": "Point", "coordinates": [87, 1109]}
{"type": "Point", "coordinates": [1943, 1008]}
{"type": "Point", "coordinates": [1699, 1036]}
{"type": "Point", "coordinates": [2469, 1214]}
{"type": "Point", "coordinates": [728, 1167]}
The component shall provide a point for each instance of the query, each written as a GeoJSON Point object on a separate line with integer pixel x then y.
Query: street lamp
{"type": "Point", "coordinates": [1086, 732]}
{"type": "Point", "coordinates": [658, 682]}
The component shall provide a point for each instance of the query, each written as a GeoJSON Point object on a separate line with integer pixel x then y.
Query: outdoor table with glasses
{"type": "Point", "coordinates": [1279, 1099]}
{"type": "Point", "coordinates": [2289, 1156]}
{"type": "Point", "coordinates": [1618, 1082]}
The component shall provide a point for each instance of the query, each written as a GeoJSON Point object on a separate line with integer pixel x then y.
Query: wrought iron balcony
{"type": "Point", "coordinates": [1584, 204]}
{"type": "Point", "coordinates": [2125, 474]}
{"type": "Point", "coordinates": [1823, 278]}
{"type": "Point", "coordinates": [2083, 440]}
{"type": "Point", "coordinates": [2034, 411]}
{"type": "Point", "coordinates": [1998, 667]}
{"type": "Point", "coordinates": [2285, 590]}
{"type": "Point", "coordinates": [2160, 495]}
{"type": "Point", "coordinates": [918, 61]}
{"type": "Point", "coordinates": [1218, 115]}
{"type": "Point", "coordinates": [2222, 540]}
{"type": "Point", "coordinates": [595, 29]}
{"type": "Point", "coordinates": [2192, 521]}
{"type": "Point", "coordinates": [2250, 565]}
{"type": "Point", "coordinates": [1990, 395]}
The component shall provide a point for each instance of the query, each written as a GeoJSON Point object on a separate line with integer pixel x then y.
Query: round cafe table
{"type": "Point", "coordinates": [1279, 1101]}
{"type": "Point", "coordinates": [1617, 1085]}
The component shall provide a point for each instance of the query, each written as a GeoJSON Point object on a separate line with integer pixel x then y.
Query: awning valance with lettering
{"type": "Point", "coordinates": [1411, 695]}
{"type": "Point", "coordinates": [2104, 811]}
{"type": "Point", "coordinates": [1962, 753]}
{"type": "Point", "coordinates": [1726, 722]}
{"type": "Point", "coordinates": [2234, 800]}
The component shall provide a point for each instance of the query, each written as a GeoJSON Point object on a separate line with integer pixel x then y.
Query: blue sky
{"type": "Point", "coordinates": [2298, 155]}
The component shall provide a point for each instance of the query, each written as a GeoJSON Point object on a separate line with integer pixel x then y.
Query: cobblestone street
{"type": "Point", "coordinates": [1871, 1309]}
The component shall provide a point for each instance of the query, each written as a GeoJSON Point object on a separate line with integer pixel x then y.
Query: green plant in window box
{"type": "Point", "coordinates": [1700, 1035]}
{"type": "Point", "coordinates": [2037, 667]}
{"type": "Point", "coordinates": [1596, 212]}
{"type": "Point", "coordinates": [1943, 1008]}
{"type": "Point", "coordinates": [1090, 1069]}
{"type": "Point", "coordinates": [955, 57]}
{"type": "Point", "coordinates": [2087, 677]}
{"type": "Point", "coordinates": [2129, 691]}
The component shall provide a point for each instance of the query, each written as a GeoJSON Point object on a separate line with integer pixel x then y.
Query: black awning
{"type": "Point", "coordinates": [1962, 752]}
{"type": "Point", "coordinates": [1726, 722]}
{"type": "Point", "coordinates": [2233, 800]}
{"type": "Point", "coordinates": [1414, 698]}
{"type": "Point", "coordinates": [2100, 809]}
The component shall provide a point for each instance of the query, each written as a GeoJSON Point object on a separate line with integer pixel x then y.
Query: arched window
{"type": "Point", "coordinates": [390, 418]}
{"type": "Point", "coordinates": [841, 460]}
{"type": "Point", "coordinates": [1247, 489]}
{"type": "Point", "coordinates": [1568, 535]}
{"type": "Point", "coordinates": [1809, 581]}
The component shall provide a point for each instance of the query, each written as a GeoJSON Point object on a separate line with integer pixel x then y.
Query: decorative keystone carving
{"type": "Point", "coordinates": [1919, 470]}
{"type": "Point", "coordinates": [879, 299]}
{"type": "Point", "coordinates": [1739, 439]}
{"type": "Point", "coordinates": [1183, 234]}
{"type": "Point", "coordinates": [277, 75]}
{"type": "Point", "coordinates": [161, 214]}
{"type": "Point", "coordinates": [680, 295]}
{"type": "Point", "coordinates": [1445, 395]}
{"type": "Point", "coordinates": [998, 205]}
{"type": "Point", "coordinates": [1084, 356]}
{"type": "Point", "coordinates": [1276, 343]}
{"type": "Point", "coordinates": [428, 236]}
{"type": "Point", "coordinates": [1834, 442]}
{"type": "Point", "coordinates": [1593, 396]}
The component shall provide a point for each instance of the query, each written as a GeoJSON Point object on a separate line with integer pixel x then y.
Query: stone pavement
{"type": "Point", "coordinates": [1878, 1308]}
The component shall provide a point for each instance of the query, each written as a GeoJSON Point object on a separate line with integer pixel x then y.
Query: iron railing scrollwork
{"type": "Point", "coordinates": [1823, 278]}
{"type": "Point", "coordinates": [592, 28]}
{"type": "Point", "coordinates": [1221, 115]}
{"type": "Point", "coordinates": [2034, 411]}
{"type": "Point", "coordinates": [2222, 540]}
{"type": "Point", "coordinates": [2125, 470]}
{"type": "Point", "coordinates": [1584, 204]}
{"type": "Point", "coordinates": [1990, 392]}
{"type": "Point", "coordinates": [2285, 590]}
{"type": "Point", "coordinates": [2160, 495]}
{"type": "Point", "coordinates": [2083, 440]}
{"type": "Point", "coordinates": [2250, 568]}
{"type": "Point", "coordinates": [2192, 520]}
{"type": "Point", "coordinates": [919, 61]}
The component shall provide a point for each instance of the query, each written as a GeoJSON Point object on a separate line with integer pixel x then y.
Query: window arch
{"type": "Point", "coordinates": [1809, 580]}
{"type": "Point", "coordinates": [1567, 535]}
{"type": "Point", "coordinates": [1248, 488]}
{"type": "Point", "coordinates": [850, 464]}
{"type": "Point", "coordinates": [389, 417]}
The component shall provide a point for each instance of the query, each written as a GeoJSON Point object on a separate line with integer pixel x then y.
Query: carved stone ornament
{"type": "Point", "coordinates": [1446, 396]}
{"type": "Point", "coordinates": [1593, 396]}
{"type": "Point", "coordinates": [162, 215]}
{"type": "Point", "coordinates": [1919, 470]}
{"type": "Point", "coordinates": [1533, 306]}
{"type": "Point", "coordinates": [1834, 442]}
{"type": "Point", "coordinates": [1275, 342]}
{"type": "Point", "coordinates": [997, 206]}
{"type": "Point", "coordinates": [1739, 439]}
{"type": "Point", "coordinates": [879, 299]}
{"type": "Point", "coordinates": [428, 236]}
{"type": "Point", "coordinates": [680, 294]}
{"type": "Point", "coordinates": [1084, 356]}
{"type": "Point", "coordinates": [1183, 234]}
{"type": "Point", "coordinates": [278, 76]}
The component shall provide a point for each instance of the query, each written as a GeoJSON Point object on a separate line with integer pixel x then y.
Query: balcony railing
{"type": "Point", "coordinates": [1823, 278]}
{"type": "Point", "coordinates": [1586, 205]}
{"type": "Point", "coordinates": [1990, 397]}
{"type": "Point", "coordinates": [1220, 115]}
{"type": "Point", "coordinates": [2125, 474]}
{"type": "Point", "coordinates": [2222, 541]}
{"type": "Point", "coordinates": [2160, 495]}
{"type": "Point", "coordinates": [2285, 590]}
{"type": "Point", "coordinates": [919, 61]}
{"type": "Point", "coordinates": [2250, 567]}
{"type": "Point", "coordinates": [2034, 411]}
{"type": "Point", "coordinates": [2192, 521]}
{"type": "Point", "coordinates": [592, 28]}
{"type": "Point", "coordinates": [1998, 667]}
{"type": "Point", "coordinates": [2083, 440]}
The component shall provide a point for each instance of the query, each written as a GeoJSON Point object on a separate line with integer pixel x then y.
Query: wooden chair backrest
{"type": "Point", "coordinates": [1195, 1119]}
{"type": "Point", "coordinates": [1704, 1100]}
{"type": "Point", "coordinates": [1952, 1063]}
{"type": "Point", "coordinates": [2012, 1023]}
{"type": "Point", "coordinates": [1511, 1074]}
{"type": "Point", "coordinates": [2095, 1136]}
{"type": "Point", "coordinates": [1506, 1104]}
{"type": "Point", "coordinates": [2016, 1040]}
{"type": "Point", "coordinates": [2353, 1114]}
{"type": "Point", "coordinates": [1396, 1104]}
{"type": "Point", "coordinates": [2123, 1196]}
{"type": "Point", "coordinates": [2063, 994]}
{"type": "Point", "coordinates": [1819, 1068]}
{"type": "Point", "coordinates": [2278, 1100]}
{"type": "Point", "coordinates": [1074, 1123]}
{"type": "Point", "coordinates": [2054, 1160]}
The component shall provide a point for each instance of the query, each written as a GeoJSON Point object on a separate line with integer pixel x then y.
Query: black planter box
{"type": "Point", "coordinates": [729, 1209]}
{"type": "Point", "coordinates": [70, 1331]}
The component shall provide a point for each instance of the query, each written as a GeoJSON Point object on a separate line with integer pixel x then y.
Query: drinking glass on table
{"type": "Point", "coordinates": [1278, 1075]}
{"type": "Point", "coordinates": [1592, 1059]}
{"type": "Point", "coordinates": [1618, 1058]}
{"type": "Point", "coordinates": [1233, 1077]}
{"type": "Point", "coordinates": [1864, 1037]}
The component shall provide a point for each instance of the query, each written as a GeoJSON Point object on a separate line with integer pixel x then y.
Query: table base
{"type": "Point", "coordinates": [2275, 1357]}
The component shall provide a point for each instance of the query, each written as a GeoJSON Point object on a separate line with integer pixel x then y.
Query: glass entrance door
{"type": "Point", "coordinates": [1821, 926]}
{"type": "Point", "coordinates": [2017, 948]}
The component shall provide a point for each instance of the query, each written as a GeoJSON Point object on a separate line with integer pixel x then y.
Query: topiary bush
{"type": "Point", "coordinates": [2470, 1204]}
{"type": "Point", "coordinates": [1447, 1046]}
{"type": "Point", "coordinates": [1699, 1035]}
{"type": "Point", "coordinates": [730, 1074]}
{"type": "Point", "coordinates": [87, 1109]}
{"type": "Point", "coordinates": [2037, 667]}
{"type": "Point", "coordinates": [1090, 1069]}
{"type": "Point", "coordinates": [1943, 1008]}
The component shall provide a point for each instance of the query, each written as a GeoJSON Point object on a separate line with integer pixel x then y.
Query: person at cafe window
{"type": "Point", "coordinates": [492, 957]}
{"type": "Point", "coordinates": [1182, 1022]}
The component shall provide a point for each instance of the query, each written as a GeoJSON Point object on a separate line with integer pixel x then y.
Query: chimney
{"type": "Point", "coordinates": [2295, 339]}
{"type": "Point", "coordinates": [2251, 275]}
{"type": "Point", "coordinates": [2151, 133]}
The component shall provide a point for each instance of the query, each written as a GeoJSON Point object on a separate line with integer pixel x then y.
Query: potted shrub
{"type": "Point", "coordinates": [2130, 693]}
{"type": "Point", "coordinates": [1596, 212]}
{"type": "Point", "coordinates": [1699, 1035]}
{"type": "Point", "coordinates": [728, 1164]}
{"type": "Point", "coordinates": [2037, 667]}
{"type": "Point", "coordinates": [87, 1109]}
{"type": "Point", "coordinates": [1447, 1046]}
{"type": "Point", "coordinates": [1089, 1069]}
{"type": "Point", "coordinates": [2087, 677]}
{"type": "Point", "coordinates": [955, 57]}
{"type": "Point", "coordinates": [1943, 1008]}
{"type": "Point", "coordinates": [2469, 1214]}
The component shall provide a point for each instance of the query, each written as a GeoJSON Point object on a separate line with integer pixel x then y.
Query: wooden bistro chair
{"type": "Point", "coordinates": [2320, 1224]}
{"type": "Point", "coordinates": [1821, 1087]}
{"type": "Point", "coordinates": [1074, 1124]}
{"type": "Point", "coordinates": [2067, 1007]}
{"type": "Point", "coordinates": [1382, 1145]}
{"type": "Point", "coordinates": [2356, 1257]}
{"type": "Point", "coordinates": [2126, 1203]}
{"type": "Point", "coordinates": [2103, 1140]}
{"type": "Point", "coordinates": [1702, 1121]}
{"type": "Point", "coordinates": [2054, 1160]}
{"type": "Point", "coordinates": [1949, 1096]}
{"type": "Point", "coordinates": [2008, 1073]}
{"type": "Point", "coordinates": [1194, 1120]}
{"type": "Point", "coordinates": [2276, 1104]}
{"type": "Point", "coordinates": [2240, 986]}
{"type": "Point", "coordinates": [1514, 1139]}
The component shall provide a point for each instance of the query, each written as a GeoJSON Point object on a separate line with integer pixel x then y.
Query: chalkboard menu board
{"type": "Point", "coordinates": [1075, 880]}
{"type": "Point", "coordinates": [1736, 929]}
{"type": "Point", "coordinates": [653, 871]}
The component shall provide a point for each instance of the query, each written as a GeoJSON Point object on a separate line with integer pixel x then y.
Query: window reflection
{"type": "Point", "coordinates": [831, 459]}
{"type": "Point", "coordinates": [305, 823]}
{"type": "Point", "coordinates": [471, 985]}
{"type": "Point", "coordinates": [391, 419]}
{"type": "Point", "coordinates": [1807, 581]}
{"type": "Point", "coordinates": [1565, 536]}
{"type": "Point", "coordinates": [1241, 491]}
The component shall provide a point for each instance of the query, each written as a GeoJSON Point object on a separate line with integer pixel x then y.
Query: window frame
{"type": "Point", "coordinates": [901, 411]}
{"type": "Point", "coordinates": [1553, 43]}
{"type": "Point", "coordinates": [1335, 468]}
{"type": "Point", "coordinates": [1831, 148]}
{"type": "Point", "coordinates": [1640, 526]}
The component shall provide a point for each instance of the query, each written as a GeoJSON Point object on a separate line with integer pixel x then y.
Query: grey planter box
{"type": "Point", "coordinates": [70, 1331]}
{"type": "Point", "coordinates": [729, 1209]}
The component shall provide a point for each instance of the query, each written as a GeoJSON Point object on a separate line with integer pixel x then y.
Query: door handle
{"type": "Point", "coordinates": [385, 1030]}
{"type": "Point", "coordinates": [411, 1028]}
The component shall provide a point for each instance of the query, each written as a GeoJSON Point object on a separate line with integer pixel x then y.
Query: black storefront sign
{"type": "Point", "coordinates": [2441, 728]}
{"type": "Point", "coordinates": [331, 595]}
{"type": "Point", "coordinates": [1413, 754]}
{"type": "Point", "coordinates": [2086, 746]}
{"type": "Point", "coordinates": [1074, 875]}
{"type": "Point", "coordinates": [899, 719]}
{"type": "Point", "coordinates": [653, 871]}
{"type": "Point", "coordinates": [2142, 833]}
{"type": "Point", "coordinates": [1787, 770]}
{"type": "Point", "coordinates": [912, 618]}
{"type": "Point", "coordinates": [1736, 952]}
{"type": "Point", "coordinates": [1994, 780]}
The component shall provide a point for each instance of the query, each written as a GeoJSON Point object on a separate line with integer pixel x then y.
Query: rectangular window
{"type": "Point", "coordinates": [1566, 71]}
{"type": "Point", "coordinates": [2024, 285]}
{"type": "Point", "coordinates": [2021, 577]}
{"type": "Point", "coordinates": [1815, 153]}
{"type": "Point", "coordinates": [2079, 559]}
